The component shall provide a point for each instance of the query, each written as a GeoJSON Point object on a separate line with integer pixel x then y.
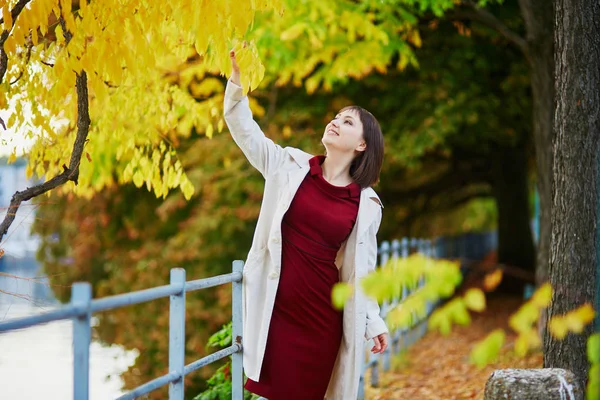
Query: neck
{"type": "Point", "coordinates": [336, 168]}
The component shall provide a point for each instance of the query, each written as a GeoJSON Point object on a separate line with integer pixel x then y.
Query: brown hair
{"type": "Point", "coordinates": [366, 166]}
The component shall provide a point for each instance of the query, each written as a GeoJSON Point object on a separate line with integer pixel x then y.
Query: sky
{"type": "Point", "coordinates": [9, 139]}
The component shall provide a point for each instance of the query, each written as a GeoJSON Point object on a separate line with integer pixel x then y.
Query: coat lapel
{"type": "Point", "coordinates": [295, 178]}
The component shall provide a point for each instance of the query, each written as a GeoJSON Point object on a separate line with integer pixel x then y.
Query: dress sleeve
{"type": "Point", "coordinates": [261, 152]}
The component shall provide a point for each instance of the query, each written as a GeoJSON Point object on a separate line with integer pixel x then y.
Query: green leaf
{"type": "Point", "coordinates": [187, 188]}
{"type": "Point", "coordinates": [475, 300]}
{"type": "Point", "coordinates": [340, 293]}
{"type": "Point", "coordinates": [138, 179]}
{"type": "Point", "coordinates": [593, 348]}
{"type": "Point", "coordinates": [593, 390]}
{"type": "Point", "coordinates": [487, 350]}
{"type": "Point", "coordinates": [441, 319]}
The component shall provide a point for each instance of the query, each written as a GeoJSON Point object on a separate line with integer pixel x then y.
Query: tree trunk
{"type": "Point", "coordinates": [515, 241]}
{"type": "Point", "coordinates": [575, 207]}
{"type": "Point", "coordinates": [539, 20]}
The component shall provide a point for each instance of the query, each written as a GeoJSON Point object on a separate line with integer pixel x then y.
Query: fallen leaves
{"type": "Point", "coordinates": [437, 367]}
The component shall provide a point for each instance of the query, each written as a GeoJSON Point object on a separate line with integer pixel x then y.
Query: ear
{"type": "Point", "coordinates": [362, 146]}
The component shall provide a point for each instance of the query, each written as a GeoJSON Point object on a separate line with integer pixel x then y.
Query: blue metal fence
{"type": "Point", "coordinates": [467, 248]}
{"type": "Point", "coordinates": [82, 306]}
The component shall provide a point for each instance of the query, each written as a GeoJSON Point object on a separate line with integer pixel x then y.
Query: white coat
{"type": "Point", "coordinates": [284, 170]}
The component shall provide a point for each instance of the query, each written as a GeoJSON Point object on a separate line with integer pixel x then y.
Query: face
{"type": "Point", "coordinates": [344, 133]}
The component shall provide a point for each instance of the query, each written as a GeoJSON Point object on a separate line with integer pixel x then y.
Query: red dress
{"type": "Point", "coordinates": [305, 330]}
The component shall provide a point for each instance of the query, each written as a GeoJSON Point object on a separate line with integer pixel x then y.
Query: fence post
{"type": "Point", "coordinates": [237, 374]}
{"type": "Point", "coordinates": [177, 334]}
{"type": "Point", "coordinates": [81, 297]}
{"type": "Point", "coordinates": [395, 340]}
{"type": "Point", "coordinates": [405, 243]}
{"type": "Point", "coordinates": [387, 304]}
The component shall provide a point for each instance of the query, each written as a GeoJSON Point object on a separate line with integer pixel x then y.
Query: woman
{"type": "Point", "coordinates": [317, 226]}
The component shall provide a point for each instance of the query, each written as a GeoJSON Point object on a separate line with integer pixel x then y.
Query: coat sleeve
{"type": "Point", "coordinates": [261, 152]}
{"type": "Point", "coordinates": [375, 324]}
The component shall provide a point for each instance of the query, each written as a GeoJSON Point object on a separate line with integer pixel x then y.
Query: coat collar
{"type": "Point", "coordinates": [370, 205]}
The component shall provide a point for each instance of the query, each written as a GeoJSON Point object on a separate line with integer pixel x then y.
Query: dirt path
{"type": "Point", "coordinates": [438, 368]}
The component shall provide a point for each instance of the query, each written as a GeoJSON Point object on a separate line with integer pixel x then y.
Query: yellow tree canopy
{"type": "Point", "coordinates": [148, 73]}
{"type": "Point", "coordinates": [129, 52]}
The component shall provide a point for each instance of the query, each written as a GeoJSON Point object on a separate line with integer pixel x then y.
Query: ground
{"type": "Point", "coordinates": [437, 367]}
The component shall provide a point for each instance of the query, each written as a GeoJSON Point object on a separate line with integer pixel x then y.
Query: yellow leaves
{"type": "Point", "coordinates": [527, 340]}
{"type": "Point", "coordinates": [252, 70]}
{"type": "Point", "coordinates": [488, 349]}
{"type": "Point", "coordinates": [492, 280]}
{"type": "Point", "coordinates": [522, 320]}
{"type": "Point", "coordinates": [34, 37]}
{"type": "Point", "coordinates": [440, 321]}
{"type": "Point", "coordinates": [453, 312]}
{"type": "Point", "coordinates": [529, 312]}
{"type": "Point", "coordinates": [475, 299]}
{"type": "Point", "coordinates": [542, 296]}
{"type": "Point", "coordinates": [13, 157]}
{"type": "Point", "coordinates": [187, 188]}
{"type": "Point", "coordinates": [28, 171]}
{"type": "Point", "coordinates": [293, 32]}
{"type": "Point", "coordinates": [209, 131]}
{"type": "Point", "coordinates": [10, 45]}
{"type": "Point", "coordinates": [573, 321]}
{"type": "Point", "coordinates": [6, 15]}
{"type": "Point", "coordinates": [415, 38]}
{"type": "Point", "coordinates": [138, 179]}
{"type": "Point", "coordinates": [60, 36]}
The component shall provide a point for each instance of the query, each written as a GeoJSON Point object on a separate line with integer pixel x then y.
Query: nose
{"type": "Point", "coordinates": [335, 123]}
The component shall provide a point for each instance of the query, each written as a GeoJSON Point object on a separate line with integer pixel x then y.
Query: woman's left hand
{"type": "Point", "coordinates": [381, 343]}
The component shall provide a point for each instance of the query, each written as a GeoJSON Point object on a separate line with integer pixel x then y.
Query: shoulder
{"type": "Point", "coordinates": [299, 156]}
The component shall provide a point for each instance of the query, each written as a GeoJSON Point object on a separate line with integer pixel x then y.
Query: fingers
{"type": "Point", "coordinates": [377, 346]}
{"type": "Point", "coordinates": [233, 58]}
{"type": "Point", "coordinates": [234, 63]}
{"type": "Point", "coordinates": [381, 343]}
{"type": "Point", "coordinates": [383, 338]}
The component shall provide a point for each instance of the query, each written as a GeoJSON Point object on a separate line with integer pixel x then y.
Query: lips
{"type": "Point", "coordinates": [332, 131]}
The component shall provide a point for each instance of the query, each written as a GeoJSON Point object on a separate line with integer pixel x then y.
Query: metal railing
{"type": "Point", "coordinates": [82, 306]}
{"type": "Point", "coordinates": [468, 247]}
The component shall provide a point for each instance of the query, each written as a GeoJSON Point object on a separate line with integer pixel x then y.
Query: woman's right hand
{"type": "Point", "coordinates": [235, 69]}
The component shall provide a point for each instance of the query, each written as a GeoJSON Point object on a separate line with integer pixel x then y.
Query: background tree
{"type": "Point", "coordinates": [575, 262]}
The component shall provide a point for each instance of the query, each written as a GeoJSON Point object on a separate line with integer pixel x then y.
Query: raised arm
{"type": "Point", "coordinates": [263, 154]}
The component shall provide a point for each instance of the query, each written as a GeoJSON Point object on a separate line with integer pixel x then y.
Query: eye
{"type": "Point", "coordinates": [348, 121]}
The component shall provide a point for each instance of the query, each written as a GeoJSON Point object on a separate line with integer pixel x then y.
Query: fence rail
{"type": "Point", "coordinates": [471, 247]}
{"type": "Point", "coordinates": [82, 306]}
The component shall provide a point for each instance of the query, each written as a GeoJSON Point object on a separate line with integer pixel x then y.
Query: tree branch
{"type": "Point", "coordinates": [476, 13]}
{"type": "Point", "coordinates": [3, 56]}
{"type": "Point", "coordinates": [72, 172]}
